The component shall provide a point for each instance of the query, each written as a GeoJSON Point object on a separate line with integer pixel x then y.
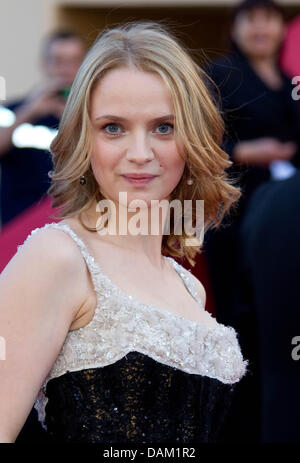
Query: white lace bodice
{"type": "Point", "coordinates": [122, 323]}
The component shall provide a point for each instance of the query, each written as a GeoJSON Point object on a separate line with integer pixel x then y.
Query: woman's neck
{"type": "Point", "coordinates": [268, 71]}
{"type": "Point", "coordinates": [139, 231]}
{"type": "Point", "coordinates": [264, 61]}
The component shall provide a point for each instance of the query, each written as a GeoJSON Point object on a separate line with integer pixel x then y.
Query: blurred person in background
{"type": "Point", "coordinates": [270, 256]}
{"type": "Point", "coordinates": [28, 125]}
{"type": "Point", "coordinates": [262, 139]}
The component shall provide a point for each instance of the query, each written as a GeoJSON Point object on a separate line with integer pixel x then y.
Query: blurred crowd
{"type": "Point", "coordinates": [253, 259]}
{"type": "Point", "coordinates": [28, 125]}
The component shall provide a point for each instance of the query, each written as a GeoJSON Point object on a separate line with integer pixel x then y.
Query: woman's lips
{"type": "Point", "coordinates": [138, 181]}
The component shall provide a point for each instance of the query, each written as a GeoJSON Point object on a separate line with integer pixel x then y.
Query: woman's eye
{"type": "Point", "coordinates": [111, 129]}
{"type": "Point", "coordinates": [165, 128]}
{"type": "Point", "coordinates": [114, 129]}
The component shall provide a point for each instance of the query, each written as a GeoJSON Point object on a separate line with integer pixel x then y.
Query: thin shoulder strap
{"type": "Point", "coordinates": [89, 259]}
{"type": "Point", "coordinates": [185, 275]}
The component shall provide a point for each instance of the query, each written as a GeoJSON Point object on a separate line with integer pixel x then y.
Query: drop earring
{"type": "Point", "coordinates": [82, 180]}
{"type": "Point", "coordinates": [190, 181]}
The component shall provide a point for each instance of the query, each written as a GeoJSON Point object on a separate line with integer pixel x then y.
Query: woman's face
{"type": "Point", "coordinates": [258, 32]}
{"type": "Point", "coordinates": [132, 117]}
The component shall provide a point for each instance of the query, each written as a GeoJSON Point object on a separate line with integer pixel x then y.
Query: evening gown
{"type": "Point", "coordinates": [139, 373]}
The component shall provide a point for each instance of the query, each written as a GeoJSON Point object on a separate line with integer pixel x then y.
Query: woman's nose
{"type": "Point", "coordinates": [139, 149]}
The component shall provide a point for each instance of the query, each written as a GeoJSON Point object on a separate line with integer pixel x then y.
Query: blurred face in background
{"type": "Point", "coordinates": [258, 32]}
{"type": "Point", "coordinates": [63, 58]}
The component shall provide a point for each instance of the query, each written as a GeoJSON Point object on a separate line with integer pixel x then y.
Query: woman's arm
{"type": "Point", "coordinates": [263, 151]}
{"type": "Point", "coordinates": [41, 290]}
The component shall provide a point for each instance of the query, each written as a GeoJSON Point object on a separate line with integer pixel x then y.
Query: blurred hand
{"type": "Point", "coordinates": [46, 100]}
{"type": "Point", "coordinates": [43, 101]}
{"type": "Point", "coordinates": [263, 151]}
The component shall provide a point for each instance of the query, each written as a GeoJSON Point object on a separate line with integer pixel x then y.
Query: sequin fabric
{"type": "Point", "coordinates": [205, 361]}
{"type": "Point", "coordinates": [136, 399]}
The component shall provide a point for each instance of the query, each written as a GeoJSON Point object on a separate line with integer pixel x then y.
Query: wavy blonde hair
{"type": "Point", "coordinates": [149, 46]}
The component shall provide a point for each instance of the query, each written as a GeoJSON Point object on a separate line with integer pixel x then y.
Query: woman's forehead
{"type": "Point", "coordinates": [130, 92]}
{"type": "Point", "coordinates": [129, 78]}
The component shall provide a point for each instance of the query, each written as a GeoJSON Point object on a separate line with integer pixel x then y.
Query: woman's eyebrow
{"type": "Point", "coordinates": [119, 118]}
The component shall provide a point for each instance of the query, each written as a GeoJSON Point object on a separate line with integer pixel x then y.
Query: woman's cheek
{"type": "Point", "coordinates": [103, 156]}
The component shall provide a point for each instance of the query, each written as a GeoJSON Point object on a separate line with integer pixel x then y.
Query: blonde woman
{"type": "Point", "coordinates": [106, 335]}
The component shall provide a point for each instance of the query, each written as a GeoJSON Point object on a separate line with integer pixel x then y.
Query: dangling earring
{"type": "Point", "coordinates": [82, 180]}
{"type": "Point", "coordinates": [190, 181]}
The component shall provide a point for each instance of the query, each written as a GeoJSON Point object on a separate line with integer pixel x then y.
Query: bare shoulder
{"type": "Point", "coordinates": [50, 245]}
{"type": "Point", "coordinates": [54, 258]}
{"type": "Point", "coordinates": [42, 290]}
{"type": "Point", "coordinates": [199, 288]}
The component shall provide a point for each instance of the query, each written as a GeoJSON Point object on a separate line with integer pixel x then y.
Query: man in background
{"type": "Point", "coordinates": [28, 125]}
{"type": "Point", "coordinates": [269, 289]}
